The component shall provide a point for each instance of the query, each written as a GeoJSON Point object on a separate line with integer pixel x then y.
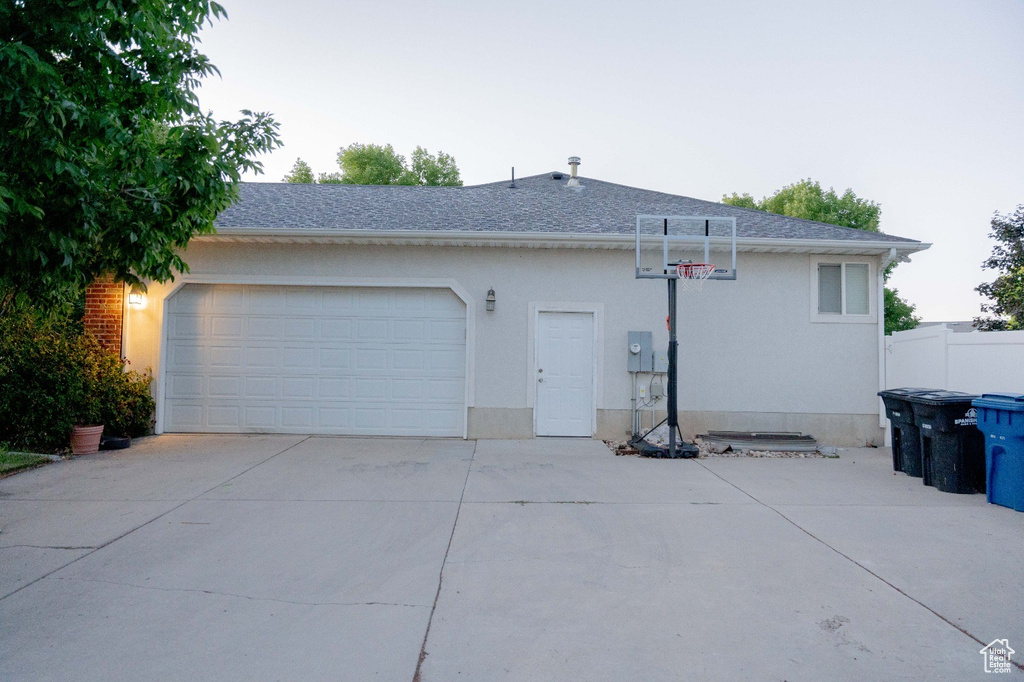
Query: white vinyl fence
{"type": "Point", "coordinates": [934, 357]}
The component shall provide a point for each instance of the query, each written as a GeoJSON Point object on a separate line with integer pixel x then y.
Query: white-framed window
{"type": "Point", "coordinates": [841, 290]}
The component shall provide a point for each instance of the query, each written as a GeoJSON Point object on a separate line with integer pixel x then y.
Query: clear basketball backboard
{"type": "Point", "coordinates": [665, 242]}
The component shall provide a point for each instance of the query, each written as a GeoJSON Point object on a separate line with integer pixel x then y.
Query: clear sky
{"type": "Point", "coordinates": [918, 106]}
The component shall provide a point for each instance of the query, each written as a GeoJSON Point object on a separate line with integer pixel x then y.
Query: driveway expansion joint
{"type": "Point", "coordinates": [440, 576]}
{"type": "Point", "coordinates": [48, 547]}
{"type": "Point", "coordinates": [217, 593]}
{"type": "Point", "coordinates": [146, 523]}
{"type": "Point", "coordinates": [856, 563]}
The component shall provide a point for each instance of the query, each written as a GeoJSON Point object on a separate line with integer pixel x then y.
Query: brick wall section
{"type": "Point", "coordinates": [104, 305]}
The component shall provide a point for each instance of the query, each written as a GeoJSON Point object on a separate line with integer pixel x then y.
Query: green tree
{"type": "Point", "coordinates": [742, 200]}
{"type": "Point", "coordinates": [427, 169]}
{"type": "Point", "coordinates": [1006, 292]}
{"type": "Point", "coordinates": [371, 164]}
{"type": "Point", "coordinates": [374, 164]}
{"type": "Point", "coordinates": [108, 163]}
{"type": "Point", "coordinates": [806, 199]}
{"type": "Point", "coordinates": [899, 314]}
{"type": "Point", "coordinates": [301, 173]}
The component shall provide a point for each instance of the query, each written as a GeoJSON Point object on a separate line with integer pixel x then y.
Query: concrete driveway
{"type": "Point", "coordinates": [295, 558]}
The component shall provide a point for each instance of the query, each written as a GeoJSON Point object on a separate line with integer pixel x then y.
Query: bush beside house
{"type": "Point", "coordinates": [54, 375]}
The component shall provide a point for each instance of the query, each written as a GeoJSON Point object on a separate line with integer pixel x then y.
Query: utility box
{"type": "Point", "coordinates": [640, 357]}
{"type": "Point", "coordinates": [661, 361]}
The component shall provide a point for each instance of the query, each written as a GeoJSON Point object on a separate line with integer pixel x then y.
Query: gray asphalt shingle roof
{"type": "Point", "coordinates": [538, 204]}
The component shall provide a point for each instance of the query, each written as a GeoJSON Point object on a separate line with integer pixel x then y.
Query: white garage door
{"type": "Point", "coordinates": [290, 359]}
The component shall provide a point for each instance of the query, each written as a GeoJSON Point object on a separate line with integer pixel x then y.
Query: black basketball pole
{"type": "Point", "coordinates": [673, 415]}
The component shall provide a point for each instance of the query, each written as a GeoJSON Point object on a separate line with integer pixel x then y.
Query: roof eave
{"type": "Point", "coordinates": [539, 240]}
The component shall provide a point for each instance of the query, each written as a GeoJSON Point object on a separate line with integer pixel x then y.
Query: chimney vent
{"type": "Point", "coordinates": [574, 162]}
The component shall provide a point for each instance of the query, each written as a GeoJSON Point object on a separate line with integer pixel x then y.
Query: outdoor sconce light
{"type": "Point", "coordinates": [136, 297]}
{"type": "Point", "coordinates": [490, 300]}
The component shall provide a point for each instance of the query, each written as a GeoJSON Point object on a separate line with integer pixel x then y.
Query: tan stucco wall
{"type": "Point", "coordinates": [752, 347]}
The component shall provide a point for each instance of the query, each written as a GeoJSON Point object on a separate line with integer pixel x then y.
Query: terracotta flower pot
{"type": "Point", "coordinates": [85, 440]}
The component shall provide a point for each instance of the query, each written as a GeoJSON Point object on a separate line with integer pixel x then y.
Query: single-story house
{"type": "Point", "coordinates": [502, 311]}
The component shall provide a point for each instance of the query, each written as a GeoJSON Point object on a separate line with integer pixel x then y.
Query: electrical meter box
{"type": "Point", "coordinates": [640, 354]}
{"type": "Point", "coordinates": [661, 361]}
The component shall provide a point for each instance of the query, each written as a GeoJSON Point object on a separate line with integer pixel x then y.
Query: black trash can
{"type": "Point", "coordinates": [952, 447]}
{"type": "Point", "coordinates": [906, 439]}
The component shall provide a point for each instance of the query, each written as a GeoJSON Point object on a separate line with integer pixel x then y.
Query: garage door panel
{"type": "Point", "coordinates": [305, 358]}
{"type": "Point", "coordinates": [298, 417]}
{"type": "Point", "coordinates": [263, 328]}
{"type": "Point", "coordinates": [336, 358]}
{"type": "Point", "coordinates": [261, 387]}
{"type": "Point", "coordinates": [445, 361]}
{"type": "Point", "coordinates": [225, 356]}
{"type": "Point", "coordinates": [262, 417]}
{"type": "Point", "coordinates": [372, 330]}
{"type": "Point", "coordinates": [370, 418]}
{"type": "Point", "coordinates": [226, 327]}
{"type": "Point", "coordinates": [337, 301]}
{"type": "Point", "coordinates": [263, 300]}
{"type": "Point", "coordinates": [224, 416]}
{"type": "Point", "coordinates": [298, 388]}
{"type": "Point", "coordinates": [298, 299]}
{"type": "Point", "coordinates": [446, 331]}
{"type": "Point", "coordinates": [189, 300]}
{"type": "Point", "coordinates": [369, 389]}
{"type": "Point", "coordinates": [331, 360]}
{"type": "Point", "coordinates": [266, 357]}
{"type": "Point", "coordinates": [186, 356]}
{"type": "Point", "coordinates": [371, 360]}
{"type": "Point", "coordinates": [335, 388]}
{"type": "Point", "coordinates": [300, 328]}
{"type": "Point", "coordinates": [336, 419]}
{"type": "Point", "coordinates": [444, 390]}
{"type": "Point", "coordinates": [413, 331]}
{"type": "Point", "coordinates": [408, 360]}
{"type": "Point", "coordinates": [187, 327]}
{"type": "Point", "coordinates": [225, 387]}
{"type": "Point", "coordinates": [223, 297]}
{"type": "Point", "coordinates": [188, 416]}
{"type": "Point", "coordinates": [337, 329]}
{"type": "Point", "coordinates": [182, 386]}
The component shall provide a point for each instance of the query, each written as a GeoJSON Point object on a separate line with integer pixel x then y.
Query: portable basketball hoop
{"type": "Point", "coordinates": [680, 248]}
{"type": "Point", "coordinates": [693, 275]}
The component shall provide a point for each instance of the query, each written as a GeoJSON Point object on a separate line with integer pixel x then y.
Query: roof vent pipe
{"type": "Point", "coordinates": [574, 163]}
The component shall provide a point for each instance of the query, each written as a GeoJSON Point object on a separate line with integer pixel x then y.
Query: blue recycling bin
{"type": "Point", "coordinates": [1001, 420]}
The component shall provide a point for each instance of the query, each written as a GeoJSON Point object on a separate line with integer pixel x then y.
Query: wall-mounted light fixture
{"type": "Point", "coordinates": [490, 300]}
{"type": "Point", "coordinates": [136, 297]}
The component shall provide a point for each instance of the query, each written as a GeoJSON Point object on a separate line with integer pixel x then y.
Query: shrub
{"type": "Point", "coordinates": [54, 375]}
{"type": "Point", "coordinates": [41, 382]}
{"type": "Point", "coordinates": [121, 399]}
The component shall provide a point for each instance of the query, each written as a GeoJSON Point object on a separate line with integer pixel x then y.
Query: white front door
{"type": "Point", "coordinates": [565, 374]}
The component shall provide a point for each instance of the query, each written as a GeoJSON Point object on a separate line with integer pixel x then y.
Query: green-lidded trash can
{"type": "Point", "coordinates": [1001, 421]}
{"type": "Point", "coordinates": [906, 439]}
{"type": "Point", "coordinates": [952, 447]}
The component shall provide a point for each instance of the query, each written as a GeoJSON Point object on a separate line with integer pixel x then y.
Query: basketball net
{"type": "Point", "coordinates": [693, 275]}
